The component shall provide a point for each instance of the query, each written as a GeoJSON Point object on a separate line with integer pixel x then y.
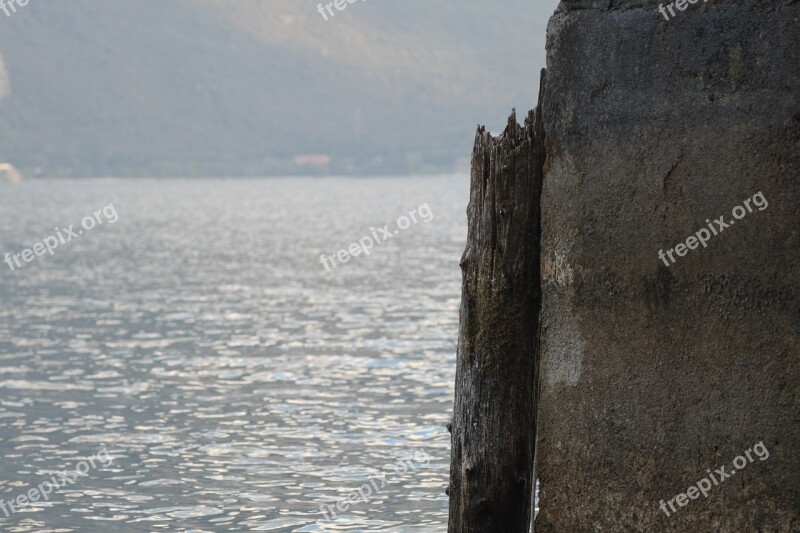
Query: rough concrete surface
{"type": "Point", "coordinates": [651, 374]}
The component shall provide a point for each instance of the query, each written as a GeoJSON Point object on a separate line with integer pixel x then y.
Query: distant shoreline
{"type": "Point", "coordinates": [309, 176]}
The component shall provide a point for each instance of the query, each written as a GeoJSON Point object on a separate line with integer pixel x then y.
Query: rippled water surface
{"type": "Point", "coordinates": [237, 385]}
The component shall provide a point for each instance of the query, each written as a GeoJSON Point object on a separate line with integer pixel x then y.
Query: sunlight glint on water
{"type": "Point", "coordinates": [237, 384]}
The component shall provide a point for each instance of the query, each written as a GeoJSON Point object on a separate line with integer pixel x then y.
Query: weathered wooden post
{"type": "Point", "coordinates": [493, 429]}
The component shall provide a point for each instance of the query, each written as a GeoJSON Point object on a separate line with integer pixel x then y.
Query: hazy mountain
{"type": "Point", "coordinates": [244, 87]}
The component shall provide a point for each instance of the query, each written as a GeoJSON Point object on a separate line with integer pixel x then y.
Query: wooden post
{"type": "Point", "coordinates": [493, 429]}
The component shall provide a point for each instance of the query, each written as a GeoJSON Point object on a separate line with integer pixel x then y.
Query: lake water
{"type": "Point", "coordinates": [237, 385]}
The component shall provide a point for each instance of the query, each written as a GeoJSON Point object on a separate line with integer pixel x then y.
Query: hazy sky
{"type": "Point", "coordinates": [253, 87]}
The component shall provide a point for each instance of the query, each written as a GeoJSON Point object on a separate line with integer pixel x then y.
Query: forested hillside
{"type": "Point", "coordinates": [250, 87]}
